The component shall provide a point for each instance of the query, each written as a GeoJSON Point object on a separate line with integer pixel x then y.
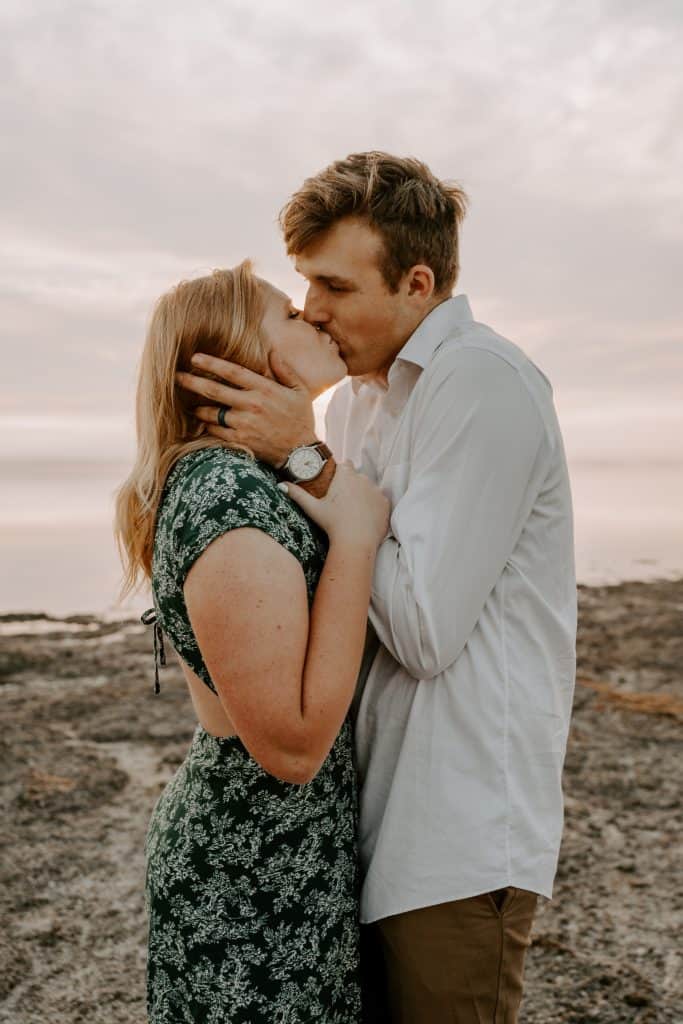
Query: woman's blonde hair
{"type": "Point", "coordinates": [221, 315]}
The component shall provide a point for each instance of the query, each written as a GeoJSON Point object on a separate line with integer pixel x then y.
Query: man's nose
{"type": "Point", "coordinates": [314, 309]}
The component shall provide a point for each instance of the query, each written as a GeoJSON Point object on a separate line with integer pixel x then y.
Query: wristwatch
{"type": "Point", "coordinates": [306, 462]}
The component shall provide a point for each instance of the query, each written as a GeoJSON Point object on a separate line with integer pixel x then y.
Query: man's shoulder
{"type": "Point", "coordinates": [491, 365]}
{"type": "Point", "coordinates": [479, 345]}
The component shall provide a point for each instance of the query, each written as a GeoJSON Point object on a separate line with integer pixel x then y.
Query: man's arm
{"type": "Point", "coordinates": [477, 463]}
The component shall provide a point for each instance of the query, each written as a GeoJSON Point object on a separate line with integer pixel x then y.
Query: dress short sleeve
{"type": "Point", "coordinates": [222, 492]}
{"type": "Point", "coordinates": [207, 493]}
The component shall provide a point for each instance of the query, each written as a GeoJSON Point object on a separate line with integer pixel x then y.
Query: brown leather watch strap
{"type": "Point", "coordinates": [320, 486]}
{"type": "Point", "coordinates": [323, 449]}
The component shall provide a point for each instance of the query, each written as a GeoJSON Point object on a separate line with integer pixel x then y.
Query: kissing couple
{"type": "Point", "coordinates": [377, 627]}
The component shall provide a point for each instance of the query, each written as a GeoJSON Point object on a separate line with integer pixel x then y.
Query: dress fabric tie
{"type": "Point", "coordinates": [149, 618]}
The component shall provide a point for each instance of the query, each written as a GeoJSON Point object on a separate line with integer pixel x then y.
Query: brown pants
{"type": "Point", "coordinates": [454, 963]}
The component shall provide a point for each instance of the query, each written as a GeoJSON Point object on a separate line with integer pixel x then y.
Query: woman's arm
{"type": "Point", "coordinates": [285, 678]}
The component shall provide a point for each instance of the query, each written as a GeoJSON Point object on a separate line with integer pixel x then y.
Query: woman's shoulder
{"type": "Point", "coordinates": [218, 488]}
{"type": "Point", "coordinates": [213, 490]}
{"type": "Point", "coordinates": [219, 470]}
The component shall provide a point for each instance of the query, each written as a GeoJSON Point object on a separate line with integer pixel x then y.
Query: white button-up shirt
{"type": "Point", "coordinates": [463, 705]}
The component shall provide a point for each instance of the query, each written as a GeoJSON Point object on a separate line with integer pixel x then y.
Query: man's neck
{"type": "Point", "coordinates": [381, 376]}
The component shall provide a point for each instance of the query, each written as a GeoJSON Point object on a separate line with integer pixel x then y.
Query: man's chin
{"type": "Point", "coordinates": [352, 367]}
{"type": "Point", "coordinates": [348, 363]}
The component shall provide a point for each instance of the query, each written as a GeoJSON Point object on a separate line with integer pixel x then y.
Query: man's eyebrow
{"type": "Point", "coordinates": [333, 279]}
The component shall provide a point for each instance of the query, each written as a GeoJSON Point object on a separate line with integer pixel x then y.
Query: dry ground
{"type": "Point", "coordinates": [86, 748]}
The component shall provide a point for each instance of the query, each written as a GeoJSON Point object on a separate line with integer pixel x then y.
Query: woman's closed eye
{"type": "Point", "coordinates": [294, 314]}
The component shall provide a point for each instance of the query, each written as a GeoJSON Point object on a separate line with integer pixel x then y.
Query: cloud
{"type": "Point", "coordinates": [153, 141]}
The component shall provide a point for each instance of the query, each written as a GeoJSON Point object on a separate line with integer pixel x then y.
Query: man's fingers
{"type": "Point", "coordinates": [209, 413]}
{"type": "Point", "coordinates": [283, 371]}
{"type": "Point", "coordinates": [223, 394]}
{"type": "Point", "coordinates": [224, 433]}
{"type": "Point", "coordinates": [232, 372]}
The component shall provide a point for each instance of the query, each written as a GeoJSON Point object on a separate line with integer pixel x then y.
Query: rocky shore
{"type": "Point", "coordinates": [86, 749]}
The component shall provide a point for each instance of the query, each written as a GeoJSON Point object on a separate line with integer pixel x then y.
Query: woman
{"type": "Point", "coordinates": [251, 869]}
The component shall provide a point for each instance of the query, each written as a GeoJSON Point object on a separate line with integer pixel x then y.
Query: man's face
{"type": "Point", "coordinates": [348, 297]}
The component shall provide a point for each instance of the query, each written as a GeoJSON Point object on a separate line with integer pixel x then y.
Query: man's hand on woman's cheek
{"type": "Point", "coordinates": [268, 416]}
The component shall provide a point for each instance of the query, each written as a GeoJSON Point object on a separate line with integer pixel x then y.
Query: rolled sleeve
{"type": "Point", "coordinates": [477, 464]}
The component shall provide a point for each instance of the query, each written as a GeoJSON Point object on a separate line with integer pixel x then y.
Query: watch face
{"type": "Point", "coordinates": [305, 463]}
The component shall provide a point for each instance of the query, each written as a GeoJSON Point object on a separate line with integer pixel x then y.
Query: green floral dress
{"type": "Point", "coordinates": [251, 882]}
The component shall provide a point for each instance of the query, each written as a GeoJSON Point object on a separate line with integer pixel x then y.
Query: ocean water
{"type": "Point", "coordinates": [57, 552]}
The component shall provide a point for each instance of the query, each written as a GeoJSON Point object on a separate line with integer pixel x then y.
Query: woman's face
{"type": "Point", "coordinates": [311, 353]}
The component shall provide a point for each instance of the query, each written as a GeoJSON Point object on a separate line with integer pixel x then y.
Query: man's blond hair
{"type": "Point", "coordinates": [416, 215]}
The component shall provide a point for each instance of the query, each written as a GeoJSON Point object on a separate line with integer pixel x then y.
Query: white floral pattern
{"type": "Point", "coordinates": [252, 883]}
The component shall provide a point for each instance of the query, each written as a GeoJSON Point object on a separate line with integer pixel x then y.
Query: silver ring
{"type": "Point", "coordinates": [222, 409]}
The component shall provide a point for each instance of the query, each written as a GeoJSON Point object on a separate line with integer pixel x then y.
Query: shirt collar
{"type": "Point", "coordinates": [427, 336]}
{"type": "Point", "coordinates": [436, 326]}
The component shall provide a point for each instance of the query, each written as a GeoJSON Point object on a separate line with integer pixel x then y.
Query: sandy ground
{"type": "Point", "coordinates": [86, 748]}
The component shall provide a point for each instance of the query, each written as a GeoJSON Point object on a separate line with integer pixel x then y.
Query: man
{"type": "Point", "coordinates": [462, 721]}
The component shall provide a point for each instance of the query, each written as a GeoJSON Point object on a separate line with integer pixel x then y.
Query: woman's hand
{"type": "Point", "coordinates": [354, 510]}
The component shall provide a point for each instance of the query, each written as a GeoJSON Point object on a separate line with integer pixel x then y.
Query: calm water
{"type": "Point", "coordinates": [57, 553]}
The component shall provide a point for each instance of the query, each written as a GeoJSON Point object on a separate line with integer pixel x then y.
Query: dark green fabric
{"type": "Point", "coordinates": [208, 493]}
{"type": "Point", "coordinates": [251, 882]}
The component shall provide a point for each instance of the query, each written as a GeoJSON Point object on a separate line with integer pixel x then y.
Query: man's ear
{"type": "Point", "coordinates": [420, 282]}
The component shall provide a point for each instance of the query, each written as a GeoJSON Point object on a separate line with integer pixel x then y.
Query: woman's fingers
{"type": "Point", "coordinates": [302, 498]}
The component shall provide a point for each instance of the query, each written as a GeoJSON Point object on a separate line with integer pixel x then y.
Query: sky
{"type": "Point", "coordinates": [147, 142]}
